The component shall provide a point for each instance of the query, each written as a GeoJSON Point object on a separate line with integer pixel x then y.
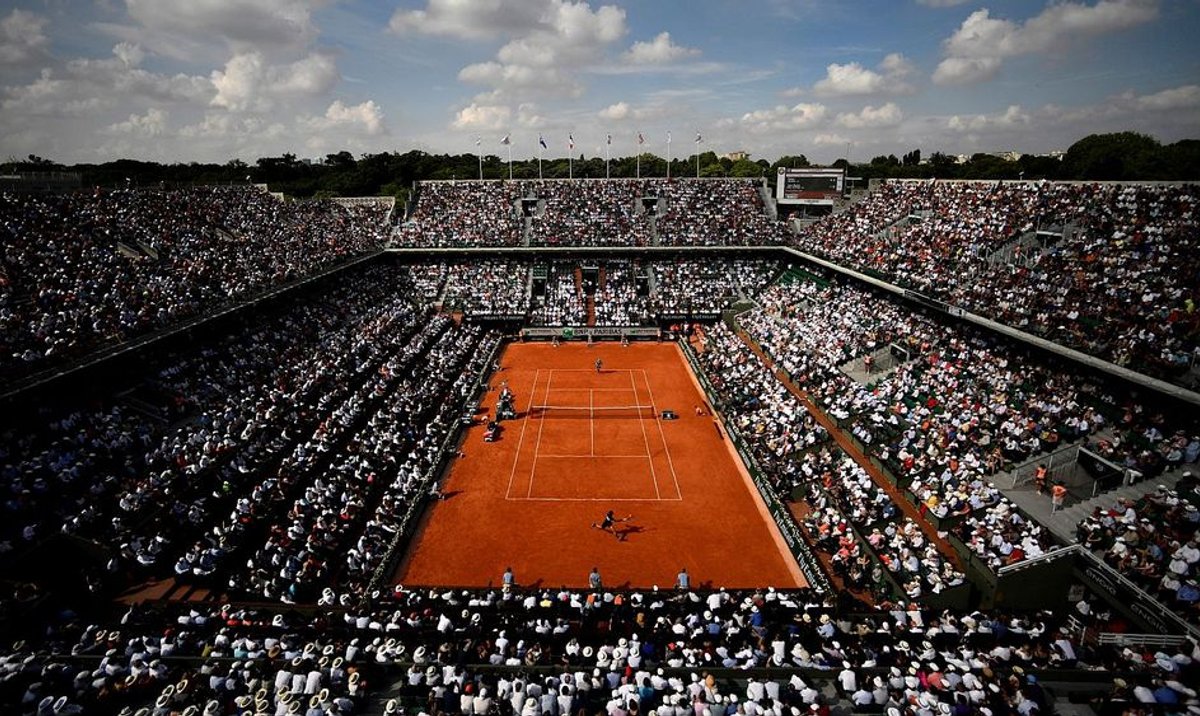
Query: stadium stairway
{"type": "Point", "coordinates": [1063, 522]}
{"type": "Point", "coordinates": [526, 230]}
{"type": "Point", "coordinates": [769, 206]}
{"type": "Point", "coordinates": [884, 365]}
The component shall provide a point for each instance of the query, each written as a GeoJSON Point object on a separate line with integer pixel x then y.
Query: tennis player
{"type": "Point", "coordinates": [608, 524]}
{"type": "Point", "coordinates": [599, 365]}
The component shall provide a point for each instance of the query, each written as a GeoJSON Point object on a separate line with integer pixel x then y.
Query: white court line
{"type": "Point", "coordinates": [524, 422]}
{"type": "Point", "coordinates": [592, 421]}
{"type": "Point", "coordinates": [581, 456]}
{"type": "Point", "coordinates": [670, 462]}
{"type": "Point", "coordinates": [536, 445]}
{"type": "Point", "coordinates": [598, 390]}
{"type": "Point", "coordinates": [593, 499]}
{"type": "Point", "coordinates": [641, 421]}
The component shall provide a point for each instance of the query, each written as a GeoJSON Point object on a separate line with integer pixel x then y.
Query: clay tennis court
{"type": "Point", "coordinates": [584, 443]}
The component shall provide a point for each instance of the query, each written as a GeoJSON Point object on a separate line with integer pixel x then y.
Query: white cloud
{"type": "Point", "coordinates": [830, 140]}
{"type": "Point", "coordinates": [977, 49]}
{"type": "Point", "coordinates": [129, 53]}
{"type": "Point", "coordinates": [366, 117]}
{"type": "Point", "coordinates": [222, 125]}
{"type": "Point", "coordinates": [184, 28]}
{"type": "Point", "coordinates": [527, 116]}
{"type": "Point", "coordinates": [854, 79]}
{"type": "Point", "coordinates": [660, 51]}
{"type": "Point", "coordinates": [22, 37]}
{"type": "Point", "coordinates": [618, 111]}
{"type": "Point", "coordinates": [1185, 97]}
{"type": "Point", "coordinates": [548, 42]}
{"type": "Point", "coordinates": [965, 70]}
{"type": "Point", "coordinates": [469, 19]}
{"type": "Point", "coordinates": [248, 83]}
{"type": "Point", "coordinates": [1012, 117]}
{"type": "Point", "coordinates": [477, 116]}
{"type": "Point", "coordinates": [519, 80]}
{"type": "Point", "coordinates": [86, 85]}
{"type": "Point", "coordinates": [51, 96]}
{"type": "Point", "coordinates": [888, 115]}
{"type": "Point", "coordinates": [151, 124]}
{"type": "Point", "coordinates": [782, 117]}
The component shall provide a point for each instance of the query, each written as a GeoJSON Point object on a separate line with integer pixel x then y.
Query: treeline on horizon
{"type": "Point", "coordinates": [1124, 156]}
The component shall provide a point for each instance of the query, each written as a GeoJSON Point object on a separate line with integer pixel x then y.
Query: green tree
{"type": "Point", "coordinates": [1122, 155]}
{"type": "Point", "coordinates": [745, 168]}
{"type": "Point", "coordinates": [790, 161]}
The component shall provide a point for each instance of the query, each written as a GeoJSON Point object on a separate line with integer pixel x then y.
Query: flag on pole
{"type": "Point", "coordinates": [571, 141]}
{"type": "Point", "coordinates": [641, 139]}
{"type": "Point", "coordinates": [506, 139]}
{"type": "Point", "coordinates": [668, 137]}
{"type": "Point", "coordinates": [610, 139]}
{"type": "Point", "coordinates": [542, 142]}
{"type": "Point", "coordinates": [478, 140]}
{"type": "Point", "coordinates": [698, 138]}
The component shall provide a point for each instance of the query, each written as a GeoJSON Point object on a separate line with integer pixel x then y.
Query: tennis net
{"type": "Point", "coordinates": [593, 412]}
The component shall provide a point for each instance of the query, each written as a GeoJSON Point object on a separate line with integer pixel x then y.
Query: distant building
{"type": "Point", "coordinates": [40, 181]}
{"type": "Point", "coordinates": [736, 156]}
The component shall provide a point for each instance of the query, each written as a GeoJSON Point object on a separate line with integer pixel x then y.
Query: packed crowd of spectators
{"type": "Point", "coordinates": [1154, 541]}
{"type": "Point", "coordinates": [427, 280]}
{"type": "Point", "coordinates": [720, 212]}
{"type": "Point", "coordinates": [591, 213]}
{"type": "Point", "coordinates": [86, 269]}
{"type": "Point", "coordinates": [618, 301]}
{"type": "Point", "coordinates": [772, 421]}
{"type": "Point", "coordinates": [794, 454]}
{"type": "Point", "coordinates": [488, 287]}
{"type": "Point", "coordinates": [564, 303]}
{"type": "Point", "coordinates": [464, 213]}
{"type": "Point", "coordinates": [696, 287]}
{"type": "Point", "coordinates": [301, 434]}
{"type": "Point", "coordinates": [1111, 275]}
{"type": "Point", "coordinates": [561, 651]}
{"type": "Point", "coordinates": [709, 212]}
{"type": "Point", "coordinates": [390, 445]}
{"type": "Point", "coordinates": [960, 410]}
{"type": "Point", "coordinates": [842, 494]}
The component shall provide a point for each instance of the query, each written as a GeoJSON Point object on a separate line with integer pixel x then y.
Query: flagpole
{"type": "Point", "coordinates": [668, 156]}
{"type": "Point", "coordinates": [479, 154]}
{"type": "Point", "coordinates": [607, 147]}
{"type": "Point", "coordinates": [539, 161]}
{"type": "Point", "coordinates": [639, 156]}
{"type": "Point", "coordinates": [510, 161]}
{"type": "Point", "coordinates": [698, 142]}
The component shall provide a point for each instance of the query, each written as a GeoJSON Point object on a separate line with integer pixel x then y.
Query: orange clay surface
{"type": "Point", "coordinates": [529, 499]}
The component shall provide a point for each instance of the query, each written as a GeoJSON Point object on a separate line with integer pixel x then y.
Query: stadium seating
{"type": "Point", "coordinates": [591, 213]}
{"type": "Point", "coordinates": [1104, 268]}
{"type": "Point", "coordinates": [278, 469]}
{"type": "Point", "coordinates": [87, 269]}
{"type": "Point", "coordinates": [464, 214]}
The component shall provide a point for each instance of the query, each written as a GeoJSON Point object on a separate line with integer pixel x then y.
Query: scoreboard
{"type": "Point", "coordinates": [817, 187]}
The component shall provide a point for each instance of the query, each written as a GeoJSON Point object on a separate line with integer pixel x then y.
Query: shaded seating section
{"type": "Point", "coordinates": [452, 213]}
{"type": "Point", "coordinates": [88, 269]}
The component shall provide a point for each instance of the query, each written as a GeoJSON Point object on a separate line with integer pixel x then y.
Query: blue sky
{"type": "Point", "coordinates": [209, 80]}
